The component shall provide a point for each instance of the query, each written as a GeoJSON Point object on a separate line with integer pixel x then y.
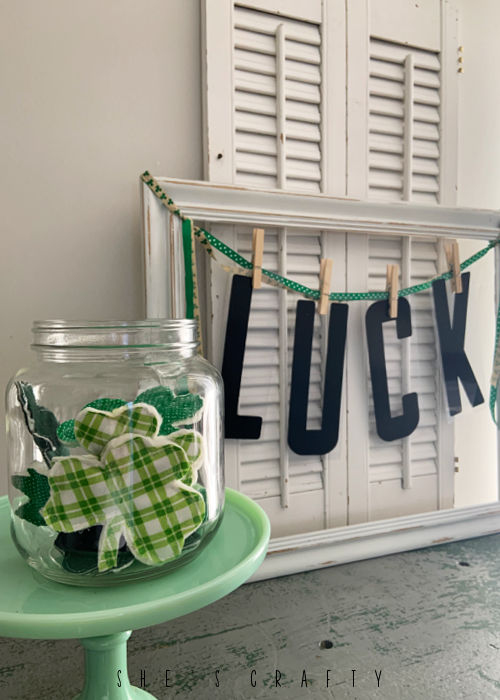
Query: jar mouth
{"type": "Point", "coordinates": [142, 333]}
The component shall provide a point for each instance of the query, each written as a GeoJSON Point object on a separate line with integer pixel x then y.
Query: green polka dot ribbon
{"type": "Point", "coordinates": [211, 242]}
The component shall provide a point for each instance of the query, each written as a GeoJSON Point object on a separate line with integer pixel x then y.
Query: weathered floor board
{"type": "Point", "coordinates": [428, 623]}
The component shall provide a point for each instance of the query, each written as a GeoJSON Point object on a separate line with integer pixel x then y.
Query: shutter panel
{"type": "Point", "coordinates": [296, 491]}
{"type": "Point", "coordinates": [274, 94]}
{"type": "Point", "coordinates": [277, 110]}
{"type": "Point", "coordinates": [268, 468]}
{"type": "Point", "coordinates": [273, 79]}
{"type": "Point", "coordinates": [404, 474]}
{"type": "Point", "coordinates": [401, 133]}
{"type": "Point", "coordinates": [402, 130]}
{"type": "Point", "coordinates": [404, 123]}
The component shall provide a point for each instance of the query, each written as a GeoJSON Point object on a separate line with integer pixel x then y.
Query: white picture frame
{"type": "Point", "coordinates": [227, 204]}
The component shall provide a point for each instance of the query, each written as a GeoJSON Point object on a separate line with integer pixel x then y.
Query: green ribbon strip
{"type": "Point", "coordinates": [210, 241]}
{"type": "Point", "coordinates": [495, 375]}
{"type": "Point", "coordinates": [208, 238]}
{"type": "Point", "coordinates": [187, 228]}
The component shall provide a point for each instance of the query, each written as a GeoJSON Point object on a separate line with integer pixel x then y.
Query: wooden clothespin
{"type": "Point", "coordinates": [453, 260]}
{"type": "Point", "coordinates": [392, 286]}
{"type": "Point", "coordinates": [257, 255]}
{"type": "Point", "coordinates": [325, 274]}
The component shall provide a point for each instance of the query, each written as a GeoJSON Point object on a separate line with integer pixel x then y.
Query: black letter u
{"type": "Point", "coordinates": [301, 440]}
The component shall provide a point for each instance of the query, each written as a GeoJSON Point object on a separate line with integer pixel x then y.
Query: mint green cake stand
{"type": "Point", "coordinates": [35, 608]}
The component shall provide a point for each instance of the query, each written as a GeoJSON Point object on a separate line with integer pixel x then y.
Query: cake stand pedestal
{"type": "Point", "coordinates": [102, 618]}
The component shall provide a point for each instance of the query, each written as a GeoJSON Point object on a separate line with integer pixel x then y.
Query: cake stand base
{"type": "Point", "coordinates": [106, 675]}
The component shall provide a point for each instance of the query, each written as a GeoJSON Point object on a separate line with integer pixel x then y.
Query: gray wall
{"type": "Point", "coordinates": [93, 93]}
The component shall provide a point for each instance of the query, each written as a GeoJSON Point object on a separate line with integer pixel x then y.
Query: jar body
{"type": "Point", "coordinates": [116, 460]}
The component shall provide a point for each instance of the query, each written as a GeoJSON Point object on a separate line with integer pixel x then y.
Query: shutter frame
{"type": "Point", "coordinates": [344, 169]}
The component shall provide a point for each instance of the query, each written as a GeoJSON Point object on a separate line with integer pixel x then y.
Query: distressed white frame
{"type": "Point", "coordinates": [228, 204]}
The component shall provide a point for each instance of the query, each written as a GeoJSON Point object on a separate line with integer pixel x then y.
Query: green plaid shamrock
{"type": "Point", "coordinates": [136, 489]}
{"type": "Point", "coordinates": [94, 428]}
{"type": "Point", "coordinates": [135, 482]}
{"type": "Point", "coordinates": [192, 444]}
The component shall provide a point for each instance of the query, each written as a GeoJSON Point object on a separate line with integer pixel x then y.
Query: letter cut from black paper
{"type": "Point", "coordinates": [451, 344]}
{"type": "Point", "coordinates": [301, 440]}
{"type": "Point", "coordinates": [389, 427]}
{"type": "Point", "coordinates": [236, 426]}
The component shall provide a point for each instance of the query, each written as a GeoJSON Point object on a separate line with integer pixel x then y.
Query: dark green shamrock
{"type": "Point", "coordinates": [175, 409]}
{"type": "Point", "coordinates": [36, 487]}
{"type": "Point", "coordinates": [41, 423]}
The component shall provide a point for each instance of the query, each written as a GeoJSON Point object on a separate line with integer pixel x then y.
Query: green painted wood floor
{"type": "Point", "coordinates": [428, 622]}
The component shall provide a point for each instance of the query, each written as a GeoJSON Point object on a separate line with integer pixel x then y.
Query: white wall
{"type": "Point", "coordinates": [95, 92]}
{"type": "Point", "coordinates": [479, 186]}
{"type": "Point", "coordinates": [92, 94]}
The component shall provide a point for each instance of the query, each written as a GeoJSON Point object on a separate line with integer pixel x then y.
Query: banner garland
{"type": "Point", "coordinates": [245, 267]}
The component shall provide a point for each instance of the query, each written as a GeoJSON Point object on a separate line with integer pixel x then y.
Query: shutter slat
{"type": "Point", "coordinates": [386, 161]}
{"type": "Point", "coordinates": [390, 51]}
{"type": "Point", "coordinates": [251, 143]}
{"type": "Point", "coordinates": [256, 59]}
{"type": "Point", "coordinates": [302, 72]}
{"type": "Point", "coordinates": [250, 85]}
{"type": "Point", "coordinates": [385, 143]}
{"type": "Point", "coordinates": [301, 131]}
{"type": "Point", "coordinates": [264, 23]}
{"type": "Point", "coordinates": [255, 163]}
{"type": "Point", "coordinates": [302, 92]}
{"type": "Point", "coordinates": [255, 124]}
{"type": "Point", "coordinates": [386, 125]}
{"type": "Point", "coordinates": [302, 112]}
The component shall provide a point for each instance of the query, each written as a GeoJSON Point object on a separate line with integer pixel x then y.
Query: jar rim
{"type": "Point", "coordinates": [142, 333]}
{"type": "Point", "coordinates": [63, 324]}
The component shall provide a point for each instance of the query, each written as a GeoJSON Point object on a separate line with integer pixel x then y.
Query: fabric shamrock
{"type": "Point", "coordinates": [94, 428]}
{"type": "Point", "coordinates": [66, 430]}
{"type": "Point", "coordinates": [174, 409]}
{"type": "Point", "coordinates": [133, 481]}
{"type": "Point", "coordinates": [42, 424]}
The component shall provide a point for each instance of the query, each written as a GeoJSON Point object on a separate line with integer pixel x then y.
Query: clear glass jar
{"type": "Point", "coordinates": [115, 450]}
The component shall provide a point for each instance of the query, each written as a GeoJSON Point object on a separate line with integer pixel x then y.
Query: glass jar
{"type": "Point", "coordinates": [115, 450]}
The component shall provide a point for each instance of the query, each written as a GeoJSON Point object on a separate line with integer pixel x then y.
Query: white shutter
{"type": "Point", "coordinates": [274, 94]}
{"type": "Point", "coordinates": [404, 123]}
{"type": "Point", "coordinates": [263, 460]}
{"type": "Point", "coordinates": [402, 101]}
{"type": "Point", "coordinates": [294, 490]}
{"type": "Point", "coordinates": [283, 110]}
{"type": "Point", "coordinates": [404, 475]}
{"type": "Point", "coordinates": [277, 101]}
